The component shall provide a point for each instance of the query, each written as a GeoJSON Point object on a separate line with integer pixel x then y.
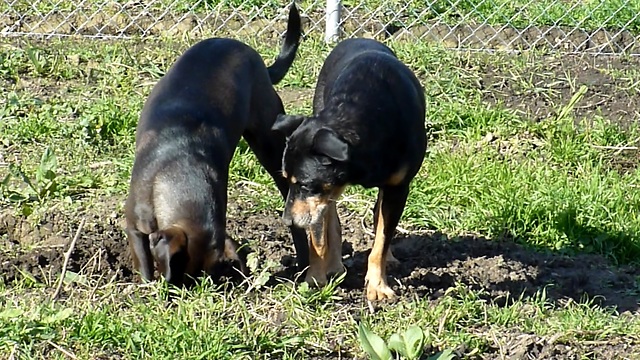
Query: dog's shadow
{"type": "Point", "coordinates": [503, 270]}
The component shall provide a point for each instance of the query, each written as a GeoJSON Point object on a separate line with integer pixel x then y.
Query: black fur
{"type": "Point", "coordinates": [190, 125]}
{"type": "Point", "coordinates": [368, 128]}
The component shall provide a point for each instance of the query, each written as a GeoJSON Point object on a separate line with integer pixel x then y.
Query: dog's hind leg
{"type": "Point", "coordinates": [391, 260]}
{"type": "Point", "coordinates": [388, 209]}
{"type": "Point", "coordinates": [141, 253]}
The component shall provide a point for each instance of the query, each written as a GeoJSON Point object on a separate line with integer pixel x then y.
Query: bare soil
{"type": "Point", "coordinates": [541, 89]}
{"type": "Point", "coordinates": [547, 83]}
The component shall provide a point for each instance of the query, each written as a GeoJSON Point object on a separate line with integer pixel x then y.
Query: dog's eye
{"type": "Point", "coordinates": [325, 160]}
{"type": "Point", "coordinates": [307, 188]}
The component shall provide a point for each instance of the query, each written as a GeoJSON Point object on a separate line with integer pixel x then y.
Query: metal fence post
{"type": "Point", "coordinates": [332, 26]}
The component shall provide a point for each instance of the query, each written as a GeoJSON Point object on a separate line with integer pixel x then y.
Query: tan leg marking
{"type": "Point", "coordinates": [376, 278]}
{"type": "Point", "coordinates": [318, 252]}
{"type": "Point", "coordinates": [325, 255]}
{"type": "Point", "coordinates": [398, 177]}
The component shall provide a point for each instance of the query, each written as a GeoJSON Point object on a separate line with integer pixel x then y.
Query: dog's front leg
{"type": "Point", "coordinates": [388, 209]}
{"type": "Point", "coordinates": [334, 240]}
{"type": "Point", "coordinates": [318, 254]}
{"type": "Point", "coordinates": [325, 256]}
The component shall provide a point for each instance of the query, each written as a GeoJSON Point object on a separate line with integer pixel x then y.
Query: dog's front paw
{"type": "Point", "coordinates": [336, 267]}
{"type": "Point", "coordinates": [316, 277]}
{"type": "Point", "coordinates": [377, 289]}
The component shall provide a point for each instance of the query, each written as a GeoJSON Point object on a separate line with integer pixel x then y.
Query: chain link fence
{"type": "Point", "coordinates": [570, 26]}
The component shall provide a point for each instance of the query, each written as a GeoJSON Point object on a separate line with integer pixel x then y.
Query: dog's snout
{"type": "Point", "coordinates": [286, 218]}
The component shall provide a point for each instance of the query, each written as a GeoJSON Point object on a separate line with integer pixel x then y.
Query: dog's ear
{"type": "Point", "coordinates": [231, 253]}
{"type": "Point", "coordinates": [287, 124]}
{"type": "Point", "coordinates": [327, 142]}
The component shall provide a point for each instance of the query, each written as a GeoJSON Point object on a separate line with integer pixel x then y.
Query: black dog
{"type": "Point", "coordinates": [216, 92]}
{"type": "Point", "coordinates": [368, 129]}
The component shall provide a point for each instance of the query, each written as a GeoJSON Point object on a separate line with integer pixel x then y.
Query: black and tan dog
{"type": "Point", "coordinates": [216, 92]}
{"type": "Point", "coordinates": [368, 129]}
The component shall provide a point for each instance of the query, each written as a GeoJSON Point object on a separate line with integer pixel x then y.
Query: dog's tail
{"type": "Point", "coordinates": [279, 68]}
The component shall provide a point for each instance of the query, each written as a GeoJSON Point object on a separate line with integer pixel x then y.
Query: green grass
{"type": "Point", "coordinates": [132, 322]}
{"type": "Point", "coordinates": [587, 15]}
{"type": "Point", "coordinates": [489, 170]}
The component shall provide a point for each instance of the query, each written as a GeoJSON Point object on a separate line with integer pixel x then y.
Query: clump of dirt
{"type": "Point", "coordinates": [528, 346]}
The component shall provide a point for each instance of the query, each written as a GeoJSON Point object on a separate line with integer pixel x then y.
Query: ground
{"type": "Point", "coordinates": [500, 268]}
{"type": "Point", "coordinates": [431, 263]}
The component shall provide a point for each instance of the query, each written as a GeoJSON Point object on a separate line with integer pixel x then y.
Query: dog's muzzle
{"type": "Point", "coordinates": [303, 212]}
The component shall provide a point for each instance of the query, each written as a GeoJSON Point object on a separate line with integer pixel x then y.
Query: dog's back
{"type": "Point", "coordinates": [193, 118]}
{"type": "Point", "coordinates": [337, 60]}
{"type": "Point", "coordinates": [371, 97]}
{"type": "Point", "coordinates": [209, 73]}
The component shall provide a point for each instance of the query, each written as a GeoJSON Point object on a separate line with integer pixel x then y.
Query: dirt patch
{"type": "Point", "coordinates": [546, 84]}
{"type": "Point", "coordinates": [430, 264]}
{"type": "Point", "coordinates": [526, 346]}
{"type": "Point", "coordinates": [292, 97]}
{"type": "Point", "coordinates": [100, 248]}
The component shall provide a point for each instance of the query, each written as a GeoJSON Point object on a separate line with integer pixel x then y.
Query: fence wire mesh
{"type": "Point", "coordinates": [595, 26]}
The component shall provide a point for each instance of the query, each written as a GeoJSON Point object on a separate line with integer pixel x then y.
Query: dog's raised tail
{"type": "Point", "coordinates": [283, 62]}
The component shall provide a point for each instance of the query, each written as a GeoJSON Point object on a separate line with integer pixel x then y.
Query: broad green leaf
{"type": "Point", "coordinates": [443, 355]}
{"type": "Point", "coordinates": [71, 277]}
{"type": "Point", "coordinates": [414, 342]}
{"type": "Point", "coordinates": [11, 313]}
{"type": "Point", "coordinates": [59, 316]}
{"type": "Point", "coordinates": [47, 167]}
{"type": "Point", "coordinates": [373, 344]}
{"type": "Point", "coordinates": [17, 197]}
{"type": "Point", "coordinates": [253, 262]}
{"type": "Point", "coordinates": [262, 279]}
{"type": "Point", "coordinates": [5, 181]}
{"type": "Point", "coordinates": [27, 209]}
{"type": "Point", "coordinates": [304, 288]}
{"type": "Point", "coordinates": [16, 171]}
{"type": "Point", "coordinates": [396, 343]}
